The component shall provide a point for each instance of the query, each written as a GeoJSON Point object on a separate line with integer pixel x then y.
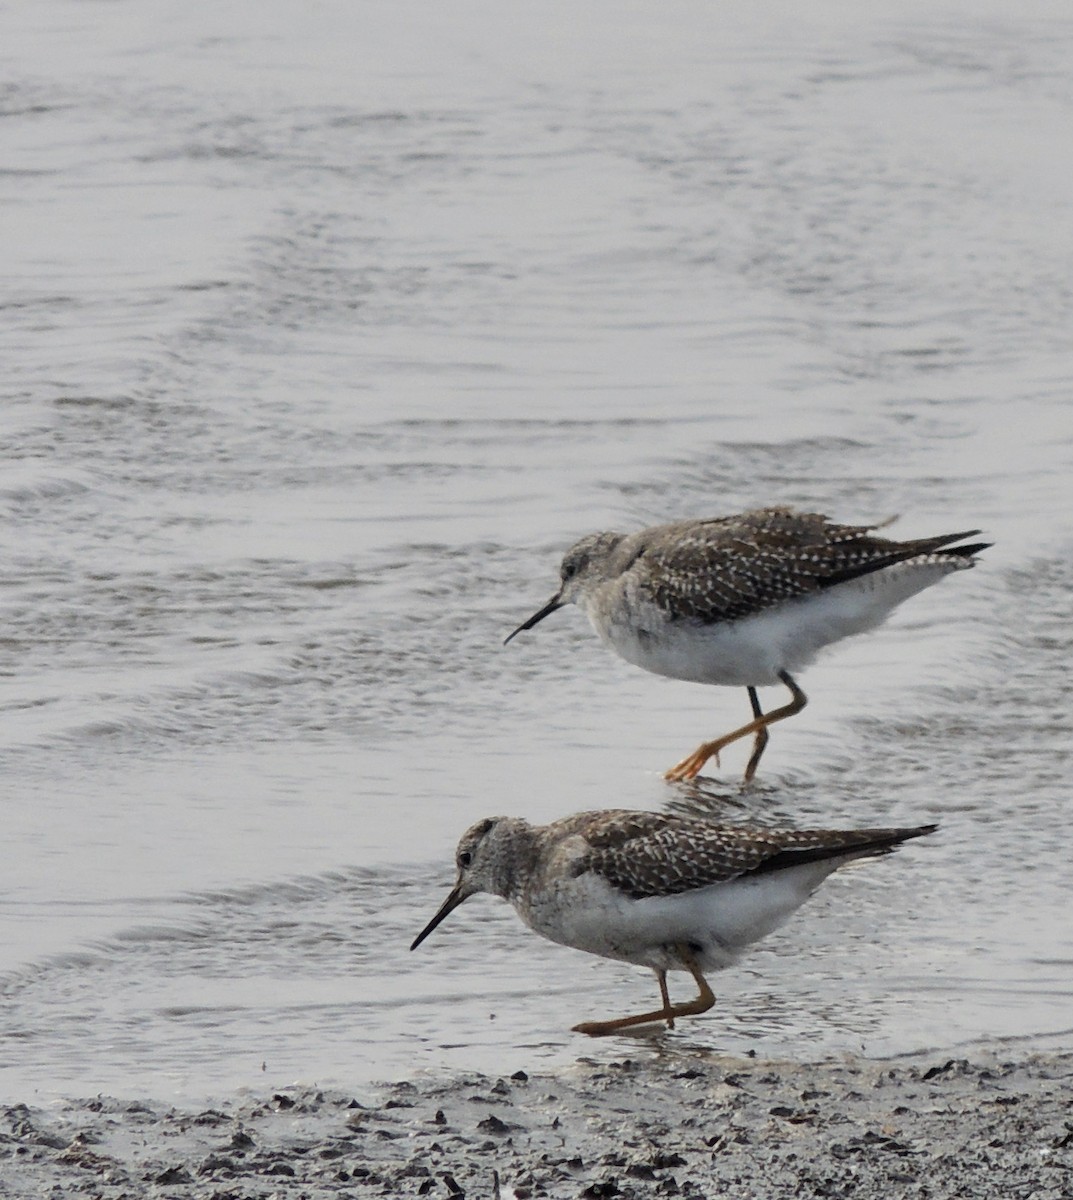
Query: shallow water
{"type": "Point", "coordinates": [327, 330]}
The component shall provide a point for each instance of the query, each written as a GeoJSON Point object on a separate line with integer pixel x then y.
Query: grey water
{"type": "Point", "coordinates": [326, 328]}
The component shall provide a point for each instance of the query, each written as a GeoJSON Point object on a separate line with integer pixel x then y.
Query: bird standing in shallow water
{"type": "Point", "coordinates": [668, 892]}
{"type": "Point", "coordinates": [745, 601]}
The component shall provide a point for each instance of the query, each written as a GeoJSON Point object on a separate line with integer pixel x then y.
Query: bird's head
{"type": "Point", "coordinates": [485, 861]}
{"type": "Point", "coordinates": [583, 565]}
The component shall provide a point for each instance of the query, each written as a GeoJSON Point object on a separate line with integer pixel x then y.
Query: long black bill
{"type": "Point", "coordinates": [453, 900]}
{"type": "Point", "coordinates": [546, 611]}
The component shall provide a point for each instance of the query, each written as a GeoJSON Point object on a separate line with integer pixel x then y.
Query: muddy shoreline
{"type": "Point", "coordinates": [991, 1124]}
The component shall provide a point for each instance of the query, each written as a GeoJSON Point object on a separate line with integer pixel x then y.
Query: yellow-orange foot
{"type": "Point", "coordinates": [690, 768]}
{"type": "Point", "coordinates": [603, 1028]}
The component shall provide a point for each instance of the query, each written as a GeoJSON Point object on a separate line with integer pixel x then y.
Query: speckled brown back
{"type": "Point", "coordinates": [656, 854]}
{"type": "Point", "coordinates": [730, 567]}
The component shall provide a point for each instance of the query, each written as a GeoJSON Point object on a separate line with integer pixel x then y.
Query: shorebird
{"type": "Point", "coordinates": [672, 893]}
{"type": "Point", "coordinates": [744, 601]}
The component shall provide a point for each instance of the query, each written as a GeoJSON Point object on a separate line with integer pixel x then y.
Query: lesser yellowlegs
{"type": "Point", "coordinates": [672, 893]}
{"type": "Point", "coordinates": [744, 601]}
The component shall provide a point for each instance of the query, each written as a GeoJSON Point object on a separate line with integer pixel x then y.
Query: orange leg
{"type": "Point", "coordinates": [690, 767]}
{"type": "Point", "coordinates": [668, 1012]}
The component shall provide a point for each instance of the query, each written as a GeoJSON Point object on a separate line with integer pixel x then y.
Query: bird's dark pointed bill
{"type": "Point", "coordinates": [546, 611]}
{"type": "Point", "coordinates": [453, 900]}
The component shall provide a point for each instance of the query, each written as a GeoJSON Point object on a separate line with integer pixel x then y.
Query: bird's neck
{"type": "Point", "coordinates": [517, 850]}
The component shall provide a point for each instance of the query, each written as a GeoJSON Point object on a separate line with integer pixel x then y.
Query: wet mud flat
{"type": "Point", "coordinates": [989, 1125]}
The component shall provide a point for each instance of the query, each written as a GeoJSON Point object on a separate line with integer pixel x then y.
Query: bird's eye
{"type": "Point", "coordinates": [465, 858]}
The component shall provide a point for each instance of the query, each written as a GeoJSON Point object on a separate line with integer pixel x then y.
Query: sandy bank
{"type": "Point", "coordinates": [993, 1125]}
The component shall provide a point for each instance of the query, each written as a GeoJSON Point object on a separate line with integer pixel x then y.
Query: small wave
{"type": "Point", "coordinates": [24, 483]}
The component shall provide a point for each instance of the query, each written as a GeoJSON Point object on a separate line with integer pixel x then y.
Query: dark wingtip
{"type": "Point", "coordinates": [919, 831]}
{"type": "Point", "coordinates": [945, 544]}
{"type": "Point", "coordinates": [894, 837]}
{"type": "Point", "coordinates": [969, 551]}
{"type": "Point", "coordinates": [863, 843]}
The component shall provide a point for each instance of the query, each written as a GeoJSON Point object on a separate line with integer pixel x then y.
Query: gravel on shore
{"type": "Point", "coordinates": [993, 1125]}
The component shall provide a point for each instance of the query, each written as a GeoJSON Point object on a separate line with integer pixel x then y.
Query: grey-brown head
{"type": "Point", "coordinates": [583, 564]}
{"type": "Point", "coordinates": [490, 858]}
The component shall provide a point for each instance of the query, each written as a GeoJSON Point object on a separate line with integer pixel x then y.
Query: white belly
{"type": "Point", "coordinates": [753, 650]}
{"type": "Point", "coordinates": [717, 922]}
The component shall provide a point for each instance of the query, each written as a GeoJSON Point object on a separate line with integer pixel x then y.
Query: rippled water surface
{"type": "Point", "coordinates": [327, 328]}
